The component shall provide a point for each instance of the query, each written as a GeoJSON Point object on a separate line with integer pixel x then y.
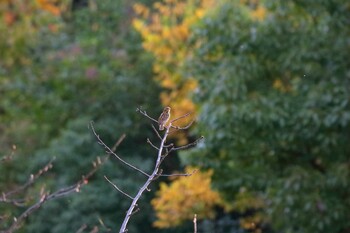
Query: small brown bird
{"type": "Point", "coordinates": [164, 117]}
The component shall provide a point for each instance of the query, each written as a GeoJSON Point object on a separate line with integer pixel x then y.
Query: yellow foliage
{"type": "Point", "coordinates": [253, 222]}
{"type": "Point", "coordinates": [49, 6]}
{"type": "Point", "coordinates": [259, 13]}
{"type": "Point", "coordinates": [282, 85]}
{"type": "Point", "coordinates": [257, 10]}
{"type": "Point", "coordinates": [245, 201]}
{"type": "Point", "coordinates": [166, 29]}
{"type": "Point", "coordinates": [184, 197]}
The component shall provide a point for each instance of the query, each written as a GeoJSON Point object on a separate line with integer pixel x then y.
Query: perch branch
{"type": "Point", "coordinates": [144, 188]}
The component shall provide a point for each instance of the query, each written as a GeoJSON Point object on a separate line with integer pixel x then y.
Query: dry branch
{"type": "Point", "coordinates": [30, 181]}
{"type": "Point", "coordinates": [143, 112]}
{"type": "Point", "coordinates": [110, 151]}
{"type": "Point", "coordinates": [45, 197]}
{"type": "Point", "coordinates": [116, 187]}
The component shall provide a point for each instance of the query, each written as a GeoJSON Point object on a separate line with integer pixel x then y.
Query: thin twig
{"type": "Point", "coordinates": [169, 145]}
{"type": "Point", "coordinates": [159, 174]}
{"type": "Point", "coordinates": [116, 187]}
{"type": "Point", "coordinates": [188, 145]}
{"type": "Point", "coordinates": [180, 174]}
{"type": "Point", "coordinates": [110, 151]}
{"type": "Point", "coordinates": [156, 131]}
{"type": "Point", "coordinates": [29, 182]}
{"type": "Point", "coordinates": [177, 128]}
{"type": "Point", "coordinates": [143, 112]}
{"type": "Point", "coordinates": [47, 197]}
{"type": "Point", "coordinates": [180, 117]}
{"type": "Point", "coordinates": [16, 202]}
{"type": "Point", "coordinates": [135, 211]}
{"type": "Point", "coordinates": [149, 142]}
{"type": "Point", "coordinates": [119, 141]}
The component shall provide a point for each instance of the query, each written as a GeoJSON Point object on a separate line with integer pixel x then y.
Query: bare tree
{"type": "Point", "coordinates": [163, 150]}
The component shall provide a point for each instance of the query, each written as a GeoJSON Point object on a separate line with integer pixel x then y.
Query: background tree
{"type": "Point", "coordinates": [275, 91]}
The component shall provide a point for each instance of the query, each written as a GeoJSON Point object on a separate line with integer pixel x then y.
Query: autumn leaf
{"type": "Point", "coordinates": [178, 201]}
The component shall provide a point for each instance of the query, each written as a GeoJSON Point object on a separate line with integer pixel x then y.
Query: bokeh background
{"type": "Point", "coordinates": [268, 83]}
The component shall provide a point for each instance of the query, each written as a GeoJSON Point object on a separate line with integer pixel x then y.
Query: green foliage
{"type": "Point", "coordinates": [275, 109]}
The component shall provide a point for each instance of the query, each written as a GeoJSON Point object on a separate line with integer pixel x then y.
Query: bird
{"type": "Point", "coordinates": [164, 117]}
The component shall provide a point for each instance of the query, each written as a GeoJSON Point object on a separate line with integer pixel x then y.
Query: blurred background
{"type": "Point", "coordinates": [268, 83]}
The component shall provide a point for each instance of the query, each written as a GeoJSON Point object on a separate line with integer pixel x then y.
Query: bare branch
{"type": "Point", "coordinates": [143, 112]}
{"type": "Point", "coordinates": [15, 202]}
{"type": "Point", "coordinates": [116, 187]}
{"type": "Point", "coordinates": [47, 197]}
{"type": "Point", "coordinates": [29, 182]}
{"type": "Point", "coordinates": [110, 151]}
{"type": "Point", "coordinates": [119, 141]}
{"type": "Point", "coordinates": [183, 116]}
{"type": "Point", "coordinates": [181, 174]}
{"type": "Point", "coordinates": [156, 131]}
{"type": "Point", "coordinates": [159, 174]}
{"type": "Point", "coordinates": [188, 145]}
{"type": "Point", "coordinates": [149, 142]}
{"type": "Point", "coordinates": [182, 128]}
{"type": "Point", "coordinates": [135, 211]}
{"type": "Point", "coordinates": [144, 187]}
{"type": "Point", "coordinates": [169, 145]}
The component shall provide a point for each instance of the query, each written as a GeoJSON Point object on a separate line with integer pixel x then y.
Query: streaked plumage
{"type": "Point", "coordinates": [164, 117]}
